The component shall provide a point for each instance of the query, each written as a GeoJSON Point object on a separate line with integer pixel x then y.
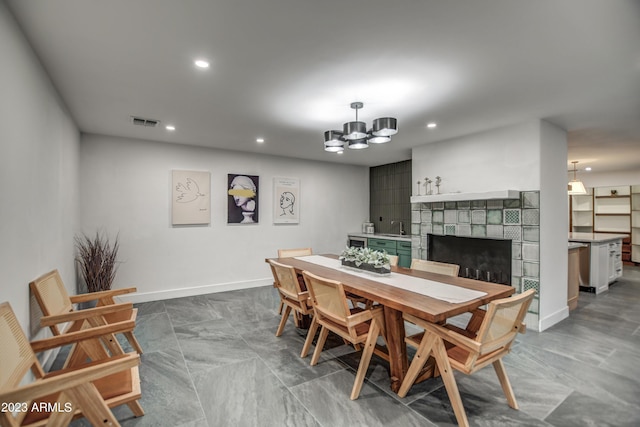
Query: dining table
{"type": "Point", "coordinates": [390, 291]}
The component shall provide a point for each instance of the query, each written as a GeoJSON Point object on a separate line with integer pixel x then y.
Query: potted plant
{"type": "Point", "coordinates": [97, 260]}
{"type": "Point", "coordinates": [366, 259]}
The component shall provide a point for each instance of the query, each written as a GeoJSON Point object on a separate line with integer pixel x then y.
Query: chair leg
{"type": "Point", "coordinates": [440, 353]}
{"type": "Point", "coordinates": [310, 334]}
{"type": "Point", "coordinates": [419, 360]}
{"type": "Point", "coordinates": [59, 418]}
{"type": "Point", "coordinates": [134, 342]}
{"type": "Point", "coordinates": [92, 405]}
{"type": "Point", "coordinates": [365, 359]}
{"type": "Point", "coordinates": [136, 408]}
{"type": "Point", "coordinates": [283, 320]}
{"type": "Point", "coordinates": [324, 332]}
{"type": "Point", "coordinates": [280, 307]}
{"type": "Point", "coordinates": [504, 382]}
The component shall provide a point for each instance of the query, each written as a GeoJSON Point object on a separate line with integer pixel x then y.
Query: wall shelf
{"type": "Point", "coordinates": [460, 197]}
{"type": "Point", "coordinates": [581, 209]}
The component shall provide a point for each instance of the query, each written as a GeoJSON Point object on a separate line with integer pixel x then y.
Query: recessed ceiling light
{"type": "Point", "coordinates": [587, 168]}
{"type": "Point", "coordinates": [432, 125]}
{"type": "Point", "coordinates": [170, 127]}
{"type": "Point", "coordinates": [260, 140]}
{"type": "Point", "coordinates": [201, 63]}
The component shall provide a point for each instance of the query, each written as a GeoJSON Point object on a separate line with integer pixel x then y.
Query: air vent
{"type": "Point", "coordinates": [140, 121]}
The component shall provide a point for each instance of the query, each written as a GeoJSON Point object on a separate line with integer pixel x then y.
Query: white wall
{"type": "Point", "coordinates": [554, 226]}
{"type": "Point", "coordinates": [505, 158]}
{"type": "Point", "coordinates": [529, 156]}
{"type": "Point", "coordinates": [126, 189]}
{"type": "Point", "coordinates": [39, 146]}
{"type": "Point", "coordinates": [608, 179]}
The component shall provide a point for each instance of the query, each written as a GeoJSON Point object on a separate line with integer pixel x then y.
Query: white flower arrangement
{"type": "Point", "coordinates": [360, 256]}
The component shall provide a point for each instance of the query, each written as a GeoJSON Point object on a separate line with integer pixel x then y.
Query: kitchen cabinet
{"type": "Point", "coordinates": [393, 247]}
{"type": "Point", "coordinates": [403, 250]}
{"type": "Point", "coordinates": [605, 258]}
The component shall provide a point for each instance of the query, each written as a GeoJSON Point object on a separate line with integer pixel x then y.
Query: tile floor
{"type": "Point", "coordinates": [213, 360]}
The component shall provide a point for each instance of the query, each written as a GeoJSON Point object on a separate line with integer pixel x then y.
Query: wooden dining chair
{"type": "Point", "coordinates": [435, 267]}
{"type": "Point", "coordinates": [55, 398]}
{"type": "Point", "coordinates": [292, 297]}
{"type": "Point", "coordinates": [57, 308]}
{"type": "Point", "coordinates": [468, 352]}
{"type": "Point", "coordinates": [288, 253]}
{"type": "Point", "coordinates": [355, 325]}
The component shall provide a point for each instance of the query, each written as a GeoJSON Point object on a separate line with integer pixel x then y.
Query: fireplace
{"type": "Point", "coordinates": [479, 258]}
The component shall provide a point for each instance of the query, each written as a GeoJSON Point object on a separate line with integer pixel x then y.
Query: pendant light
{"type": "Point", "coordinates": [575, 186]}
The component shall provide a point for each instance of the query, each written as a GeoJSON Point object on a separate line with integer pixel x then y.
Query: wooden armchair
{"type": "Point", "coordinates": [289, 253]}
{"type": "Point", "coordinates": [292, 297]}
{"type": "Point", "coordinates": [57, 308]}
{"type": "Point", "coordinates": [468, 351]}
{"type": "Point", "coordinates": [60, 396]}
{"type": "Point", "coordinates": [332, 312]}
{"type": "Point", "coordinates": [435, 267]}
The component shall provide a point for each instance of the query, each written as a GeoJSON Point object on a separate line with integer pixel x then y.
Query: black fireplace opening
{"type": "Point", "coordinates": [479, 258]}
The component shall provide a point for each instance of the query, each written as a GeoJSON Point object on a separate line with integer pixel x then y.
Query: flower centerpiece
{"type": "Point", "coordinates": [366, 259]}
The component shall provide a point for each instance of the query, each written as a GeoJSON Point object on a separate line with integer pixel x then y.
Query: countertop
{"type": "Point", "coordinates": [577, 245]}
{"type": "Point", "coordinates": [595, 237]}
{"type": "Point", "coordinates": [403, 238]}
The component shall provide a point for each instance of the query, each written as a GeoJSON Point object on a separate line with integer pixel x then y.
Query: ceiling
{"type": "Point", "coordinates": [287, 70]}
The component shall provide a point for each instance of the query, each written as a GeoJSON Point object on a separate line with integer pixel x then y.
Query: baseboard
{"type": "Point", "coordinates": [138, 297]}
{"type": "Point", "coordinates": [554, 318]}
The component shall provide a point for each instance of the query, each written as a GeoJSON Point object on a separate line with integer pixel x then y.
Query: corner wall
{"type": "Point", "coordinates": [126, 187]}
{"type": "Point", "coordinates": [526, 157]}
{"type": "Point", "coordinates": [39, 145]}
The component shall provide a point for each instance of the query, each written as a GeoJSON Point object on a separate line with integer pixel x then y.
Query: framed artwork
{"type": "Point", "coordinates": [242, 200]}
{"type": "Point", "coordinates": [190, 197]}
{"type": "Point", "coordinates": [286, 200]}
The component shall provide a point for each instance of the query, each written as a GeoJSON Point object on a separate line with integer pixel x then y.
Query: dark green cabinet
{"type": "Point", "coordinates": [393, 247]}
{"type": "Point", "coordinates": [403, 250]}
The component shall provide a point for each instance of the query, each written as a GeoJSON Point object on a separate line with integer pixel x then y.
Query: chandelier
{"type": "Point", "coordinates": [356, 135]}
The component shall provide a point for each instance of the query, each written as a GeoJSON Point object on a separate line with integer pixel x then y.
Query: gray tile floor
{"type": "Point", "coordinates": [213, 360]}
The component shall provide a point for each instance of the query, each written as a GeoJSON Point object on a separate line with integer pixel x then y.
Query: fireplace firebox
{"type": "Point", "coordinates": [483, 259]}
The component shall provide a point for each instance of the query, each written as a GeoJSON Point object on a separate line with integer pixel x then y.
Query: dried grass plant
{"type": "Point", "coordinates": [97, 259]}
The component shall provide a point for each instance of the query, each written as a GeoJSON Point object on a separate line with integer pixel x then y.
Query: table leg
{"type": "Point", "coordinates": [397, 348]}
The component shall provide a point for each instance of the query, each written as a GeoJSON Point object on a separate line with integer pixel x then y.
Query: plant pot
{"type": "Point", "coordinates": [366, 267]}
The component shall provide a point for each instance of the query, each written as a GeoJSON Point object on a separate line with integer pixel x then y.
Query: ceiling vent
{"type": "Point", "coordinates": [141, 121]}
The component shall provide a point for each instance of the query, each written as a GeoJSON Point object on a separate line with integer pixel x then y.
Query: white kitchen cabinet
{"type": "Point", "coordinates": [605, 258]}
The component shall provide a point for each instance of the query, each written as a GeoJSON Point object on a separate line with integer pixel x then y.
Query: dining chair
{"type": "Point", "coordinates": [288, 253]}
{"type": "Point", "coordinates": [57, 397]}
{"type": "Point", "coordinates": [57, 308]}
{"type": "Point", "coordinates": [332, 313]}
{"type": "Point", "coordinates": [435, 267]}
{"type": "Point", "coordinates": [292, 297]}
{"type": "Point", "coordinates": [468, 352]}
{"type": "Point", "coordinates": [393, 260]}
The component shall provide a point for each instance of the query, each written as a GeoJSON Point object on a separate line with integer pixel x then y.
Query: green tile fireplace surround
{"type": "Point", "coordinates": [516, 219]}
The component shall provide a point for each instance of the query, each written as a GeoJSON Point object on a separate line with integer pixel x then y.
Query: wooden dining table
{"type": "Point", "coordinates": [396, 300]}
